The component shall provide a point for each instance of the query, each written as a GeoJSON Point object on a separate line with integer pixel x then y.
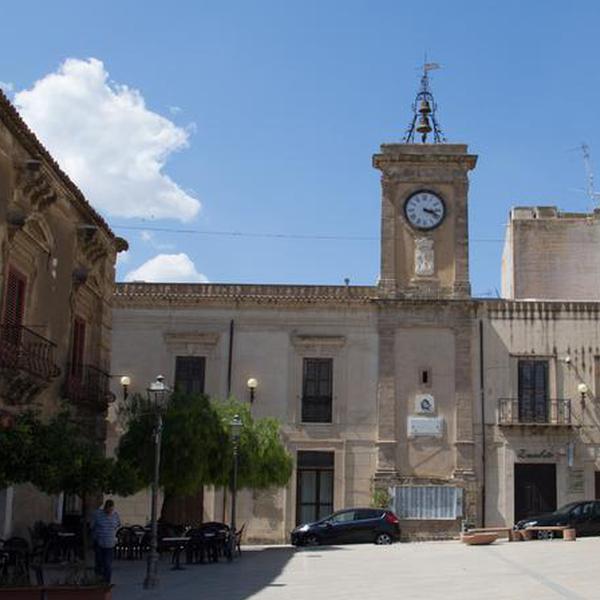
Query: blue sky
{"type": "Point", "coordinates": [271, 112]}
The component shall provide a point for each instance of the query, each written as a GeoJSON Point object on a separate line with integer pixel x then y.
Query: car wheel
{"type": "Point", "coordinates": [383, 539]}
{"type": "Point", "coordinates": [311, 540]}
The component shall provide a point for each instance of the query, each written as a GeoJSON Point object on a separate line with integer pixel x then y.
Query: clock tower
{"type": "Point", "coordinates": [424, 212]}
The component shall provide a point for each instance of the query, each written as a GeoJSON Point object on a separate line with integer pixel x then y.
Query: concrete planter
{"type": "Point", "coordinates": [57, 592]}
{"type": "Point", "coordinates": [479, 539]}
{"type": "Point", "coordinates": [515, 536]}
{"type": "Point", "coordinates": [526, 534]}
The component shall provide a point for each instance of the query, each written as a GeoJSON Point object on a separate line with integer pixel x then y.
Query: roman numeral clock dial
{"type": "Point", "coordinates": [424, 210]}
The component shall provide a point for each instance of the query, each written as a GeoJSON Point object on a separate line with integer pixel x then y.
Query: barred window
{"type": "Point", "coordinates": [317, 388]}
{"type": "Point", "coordinates": [189, 374]}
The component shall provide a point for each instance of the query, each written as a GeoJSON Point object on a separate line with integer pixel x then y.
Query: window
{"type": "Point", "coordinates": [14, 304]}
{"type": "Point", "coordinates": [78, 348]}
{"type": "Point", "coordinates": [314, 493]}
{"type": "Point", "coordinates": [317, 390]}
{"type": "Point", "coordinates": [345, 517]}
{"type": "Point", "coordinates": [533, 391]}
{"type": "Point", "coordinates": [189, 374]}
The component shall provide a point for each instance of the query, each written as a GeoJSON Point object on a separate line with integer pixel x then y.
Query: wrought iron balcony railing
{"type": "Point", "coordinates": [551, 411]}
{"type": "Point", "coordinates": [87, 384]}
{"type": "Point", "coordinates": [24, 350]}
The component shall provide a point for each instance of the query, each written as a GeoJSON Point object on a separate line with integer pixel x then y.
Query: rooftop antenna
{"type": "Point", "coordinates": [424, 108]}
{"type": "Point", "coordinates": [587, 161]}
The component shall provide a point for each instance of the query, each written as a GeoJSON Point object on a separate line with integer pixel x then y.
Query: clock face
{"type": "Point", "coordinates": [424, 210]}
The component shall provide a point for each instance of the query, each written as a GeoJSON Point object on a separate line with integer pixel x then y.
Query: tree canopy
{"type": "Point", "coordinates": [197, 449]}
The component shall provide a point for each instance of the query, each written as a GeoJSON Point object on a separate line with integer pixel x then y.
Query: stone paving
{"type": "Point", "coordinates": [537, 570]}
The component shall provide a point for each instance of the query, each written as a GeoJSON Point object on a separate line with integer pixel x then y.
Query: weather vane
{"type": "Point", "coordinates": [424, 108]}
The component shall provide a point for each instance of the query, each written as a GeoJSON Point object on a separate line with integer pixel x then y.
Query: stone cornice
{"type": "Point", "coordinates": [15, 124]}
{"type": "Point", "coordinates": [529, 310]}
{"type": "Point", "coordinates": [190, 294]}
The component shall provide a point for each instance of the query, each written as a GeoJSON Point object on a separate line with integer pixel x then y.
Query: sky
{"type": "Point", "coordinates": [231, 141]}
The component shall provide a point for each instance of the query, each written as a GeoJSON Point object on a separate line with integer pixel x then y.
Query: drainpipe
{"type": "Point", "coordinates": [482, 400]}
{"type": "Point", "coordinates": [230, 358]}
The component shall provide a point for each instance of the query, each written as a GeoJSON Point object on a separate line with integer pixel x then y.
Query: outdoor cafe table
{"type": "Point", "coordinates": [179, 544]}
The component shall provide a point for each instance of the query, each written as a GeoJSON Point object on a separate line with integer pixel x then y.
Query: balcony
{"type": "Point", "coordinates": [551, 412]}
{"type": "Point", "coordinates": [26, 361]}
{"type": "Point", "coordinates": [88, 385]}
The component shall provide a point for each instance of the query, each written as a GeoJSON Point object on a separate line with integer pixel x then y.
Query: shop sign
{"type": "Point", "coordinates": [575, 481]}
{"type": "Point", "coordinates": [545, 454]}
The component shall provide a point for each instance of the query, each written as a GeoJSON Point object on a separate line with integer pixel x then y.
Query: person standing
{"type": "Point", "coordinates": [104, 528]}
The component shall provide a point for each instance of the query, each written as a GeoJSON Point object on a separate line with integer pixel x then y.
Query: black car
{"type": "Point", "coordinates": [376, 525]}
{"type": "Point", "coordinates": [583, 516]}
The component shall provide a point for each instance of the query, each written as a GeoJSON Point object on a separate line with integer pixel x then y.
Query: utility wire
{"type": "Point", "coordinates": [250, 234]}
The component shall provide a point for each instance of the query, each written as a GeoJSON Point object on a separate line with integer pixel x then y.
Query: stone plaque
{"type": "Point", "coordinates": [575, 481]}
{"type": "Point", "coordinates": [425, 427]}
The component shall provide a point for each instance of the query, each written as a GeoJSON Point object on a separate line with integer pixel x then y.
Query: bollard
{"type": "Point", "coordinates": [569, 535]}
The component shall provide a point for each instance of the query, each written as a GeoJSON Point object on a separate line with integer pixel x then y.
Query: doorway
{"type": "Point", "coordinates": [535, 489]}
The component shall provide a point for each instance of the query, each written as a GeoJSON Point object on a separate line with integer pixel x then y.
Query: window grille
{"type": "Point", "coordinates": [428, 502]}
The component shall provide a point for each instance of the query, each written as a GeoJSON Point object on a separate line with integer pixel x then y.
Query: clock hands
{"type": "Point", "coordinates": [435, 213]}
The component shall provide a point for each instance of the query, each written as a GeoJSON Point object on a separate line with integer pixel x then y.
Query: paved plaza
{"type": "Point", "coordinates": [537, 570]}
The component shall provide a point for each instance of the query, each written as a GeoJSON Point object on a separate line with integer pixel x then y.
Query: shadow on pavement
{"type": "Point", "coordinates": [257, 568]}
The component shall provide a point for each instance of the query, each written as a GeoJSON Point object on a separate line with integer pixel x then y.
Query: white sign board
{"type": "Point", "coordinates": [425, 427]}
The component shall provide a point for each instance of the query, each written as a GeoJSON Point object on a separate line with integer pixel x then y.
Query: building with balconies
{"type": "Point", "coordinates": [57, 263]}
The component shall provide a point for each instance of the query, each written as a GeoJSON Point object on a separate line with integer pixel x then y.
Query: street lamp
{"type": "Point", "coordinates": [235, 431]}
{"type": "Point", "coordinates": [158, 395]}
{"type": "Point", "coordinates": [125, 383]}
{"type": "Point", "coordinates": [252, 384]}
{"type": "Point", "coordinates": [583, 389]}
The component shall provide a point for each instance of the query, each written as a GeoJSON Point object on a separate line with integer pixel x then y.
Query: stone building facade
{"type": "Point", "coordinates": [396, 361]}
{"type": "Point", "coordinates": [57, 258]}
{"type": "Point", "coordinates": [461, 408]}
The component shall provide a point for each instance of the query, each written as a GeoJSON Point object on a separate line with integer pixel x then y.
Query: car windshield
{"type": "Point", "coordinates": [567, 508]}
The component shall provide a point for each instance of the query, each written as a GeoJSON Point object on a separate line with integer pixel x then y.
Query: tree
{"type": "Point", "coordinates": [59, 456]}
{"type": "Point", "coordinates": [263, 460]}
{"type": "Point", "coordinates": [197, 449]}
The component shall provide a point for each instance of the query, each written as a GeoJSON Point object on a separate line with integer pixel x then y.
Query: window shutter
{"type": "Point", "coordinates": [189, 374]}
{"type": "Point", "coordinates": [78, 350]}
{"type": "Point", "coordinates": [14, 299]}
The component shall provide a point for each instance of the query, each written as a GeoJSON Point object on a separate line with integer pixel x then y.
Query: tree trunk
{"type": "Point", "coordinates": [183, 510]}
{"type": "Point", "coordinates": [84, 528]}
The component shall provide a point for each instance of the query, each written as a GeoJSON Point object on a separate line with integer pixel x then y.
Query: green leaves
{"type": "Point", "coordinates": [197, 449]}
{"type": "Point", "coordinates": [58, 456]}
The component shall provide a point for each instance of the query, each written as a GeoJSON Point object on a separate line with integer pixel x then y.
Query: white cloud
{"type": "Point", "coordinates": [123, 258]}
{"type": "Point", "coordinates": [173, 268]}
{"type": "Point", "coordinates": [108, 141]}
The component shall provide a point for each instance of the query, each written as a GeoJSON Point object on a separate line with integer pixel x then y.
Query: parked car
{"type": "Point", "coordinates": [583, 516]}
{"type": "Point", "coordinates": [376, 525]}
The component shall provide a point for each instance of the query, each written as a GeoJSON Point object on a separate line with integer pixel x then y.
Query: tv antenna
{"type": "Point", "coordinates": [587, 161]}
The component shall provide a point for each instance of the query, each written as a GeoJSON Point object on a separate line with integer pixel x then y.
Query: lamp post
{"type": "Point", "coordinates": [583, 389]}
{"type": "Point", "coordinates": [125, 383]}
{"type": "Point", "coordinates": [252, 384]}
{"type": "Point", "coordinates": [236, 430]}
{"type": "Point", "coordinates": [158, 393]}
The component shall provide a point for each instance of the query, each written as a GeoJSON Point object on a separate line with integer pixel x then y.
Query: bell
{"type": "Point", "coordinates": [424, 107]}
{"type": "Point", "coordinates": [423, 126]}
